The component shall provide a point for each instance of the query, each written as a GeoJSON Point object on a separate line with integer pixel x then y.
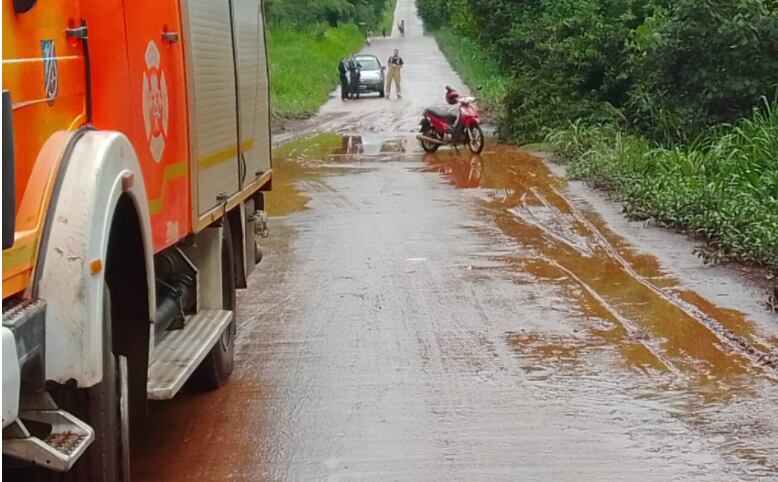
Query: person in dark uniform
{"type": "Point", "coordinates": [354, 68]}
{"type": "Point", "coordinates": [343, 74]}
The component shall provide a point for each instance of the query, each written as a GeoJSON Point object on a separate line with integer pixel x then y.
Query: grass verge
{"type": "Point", "coordinates": [387, 19]}
{"type": "Point", "coordinates": [722, 187]}
{"type": "Point", "coordinates": [303, 66]}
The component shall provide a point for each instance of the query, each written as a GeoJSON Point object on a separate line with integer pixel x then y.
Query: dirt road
{"type": "Point", "coordinates": [470, 318]}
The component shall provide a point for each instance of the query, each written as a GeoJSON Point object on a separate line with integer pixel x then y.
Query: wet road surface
{"type": "Point", "coordinates": [457, 317]}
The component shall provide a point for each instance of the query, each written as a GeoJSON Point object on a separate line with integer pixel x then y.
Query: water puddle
{"type": "Point", "coordinates": [669, 343]}
{"type": "Point", "coordinates": [713, 361]}
{"type": "Point", "coordinates": [306, 161]}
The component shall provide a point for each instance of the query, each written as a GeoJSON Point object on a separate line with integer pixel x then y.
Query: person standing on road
{"type": "Point", "coordinates": [343, 74]}
{"type": "Point", "coordinates": [395, 64]}
{"type": "Point", "coordinates": [401, 28]}
{"type": "Point", "coordinates": [354, 68]}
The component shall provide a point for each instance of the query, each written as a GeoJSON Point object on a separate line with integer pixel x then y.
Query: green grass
{"type": "Point", "coordinates": [303, 66]}
{"type": "Point", "coordinates": [387, 19]}
{"type": "Point", "coordinates": [476, 67]}
{"type": "Point", "coordinates": [722, 187]}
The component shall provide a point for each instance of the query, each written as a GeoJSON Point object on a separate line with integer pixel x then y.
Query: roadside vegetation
{"type": "Point", "coordinates": [670, 106]}
{"type": "Point", "coordinates": [723, 186]}
{"type": "Point", "coordinates": [387, 21]}
{"type": "Point", "coordinates": [475, 66]}
{"type": "Point", "coordinates": [305, 41]}
{"type": "Point", "coordinates": [303, 64]}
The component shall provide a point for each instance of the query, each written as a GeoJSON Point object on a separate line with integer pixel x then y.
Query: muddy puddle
{"type": "Point", "coordinates": [613, 310]}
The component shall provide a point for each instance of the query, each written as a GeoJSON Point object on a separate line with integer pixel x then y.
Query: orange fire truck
{"type": "Point", "coordinates": [136, 149]}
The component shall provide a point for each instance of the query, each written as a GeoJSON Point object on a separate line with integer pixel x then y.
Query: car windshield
{"type": "Point", "coordinates": [368, 63]}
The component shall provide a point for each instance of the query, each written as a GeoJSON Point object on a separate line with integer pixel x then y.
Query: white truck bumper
{"type": "Point", "coordinates": [11, 378]}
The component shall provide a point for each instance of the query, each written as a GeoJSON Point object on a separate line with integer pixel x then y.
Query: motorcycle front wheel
{"type": "Point", "coordinates": [475, 141]}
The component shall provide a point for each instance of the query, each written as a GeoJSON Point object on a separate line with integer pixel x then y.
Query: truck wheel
{"type": "Point", "coordinates": [216, 368]}
{"type": "Point", "coordinates": [105, 407]}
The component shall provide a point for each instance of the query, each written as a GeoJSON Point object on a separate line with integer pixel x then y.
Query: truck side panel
{"type": "Point", "coordinates": [160, 121]}
{"type": "Point", "coordinates": [253, 82]}
{"type": "Point", "coordinates": [139, 89]}
{"type": "Point", "coordinates": [213, 104]}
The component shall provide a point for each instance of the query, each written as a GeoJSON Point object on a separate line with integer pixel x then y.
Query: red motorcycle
{"type": "Point", "coordinates": [439, 128]}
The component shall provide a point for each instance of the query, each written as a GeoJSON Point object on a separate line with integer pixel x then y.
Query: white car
{"type": "Point", "coordinates": [372, 74]}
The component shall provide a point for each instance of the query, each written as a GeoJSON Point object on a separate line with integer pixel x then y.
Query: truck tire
{"type": "Point", "coordinates": [108, 457]}
{"type": "Point", "coordinates": [217, 366]}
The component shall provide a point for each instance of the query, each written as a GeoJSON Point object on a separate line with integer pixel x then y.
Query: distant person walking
{"type": "Point", "coordinates": [395, 64]}
{"type": "Point", "coordinates": [343, 74]}
{"type": "Point", "coordinates": [354, 68]}
{"type": "Point", "coordinates": [401, 27]}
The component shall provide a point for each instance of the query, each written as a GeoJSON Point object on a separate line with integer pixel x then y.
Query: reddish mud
{"type": "Point", "coordinates": [457, 317]}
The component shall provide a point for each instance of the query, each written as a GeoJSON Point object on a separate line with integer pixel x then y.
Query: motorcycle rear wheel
{"type": "Point", "coordinates": [430, 147]}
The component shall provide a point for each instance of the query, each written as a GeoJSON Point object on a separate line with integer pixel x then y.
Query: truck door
{"type": "Point", "coordinates": [253, 95]}
{"type": "Point", "coordinates": [159, 113]}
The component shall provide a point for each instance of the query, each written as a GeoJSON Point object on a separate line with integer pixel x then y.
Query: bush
{"type": "Point", "coordinates": [671, 68]}
{"type": "Point", "coordinates": [722, 187]}
{"type": "Point", "coordinates": [305, 13]}
{"type": "Point", "coordinates": [702, 63]}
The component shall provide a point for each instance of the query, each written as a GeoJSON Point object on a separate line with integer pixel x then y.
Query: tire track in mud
{"type": "Point", "coordinates": [756, 349]}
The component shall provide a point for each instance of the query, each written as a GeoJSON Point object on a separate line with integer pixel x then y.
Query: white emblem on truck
{"type": "Point", "coordinates": [155, 102]}
{"type": "Point", "coordinates": [50, 71]}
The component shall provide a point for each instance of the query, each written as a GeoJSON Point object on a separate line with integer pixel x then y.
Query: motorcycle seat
{"type": "Point", "coordinates": [450, 118]}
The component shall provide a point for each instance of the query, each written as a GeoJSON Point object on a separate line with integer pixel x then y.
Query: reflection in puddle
{"type": "Point", "coordinates": [574, 250]}
{"type": "Point", "coordinates": [621, 302]}
{"type": "Point", "coordinates": [464, 171]}
{"type": "Point", "coordinates": [621, 308]}
{"type": "Point", "coordinates": [291, 164]}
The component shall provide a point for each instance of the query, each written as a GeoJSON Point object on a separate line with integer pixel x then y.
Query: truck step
{"type": "Point", "coordinates": [178, 352]}
{"type": "Point", "coordinates": [59, 450]}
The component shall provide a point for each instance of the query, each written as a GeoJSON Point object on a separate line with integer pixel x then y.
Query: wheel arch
{"type": "Point", "coordinates": [98, 231]}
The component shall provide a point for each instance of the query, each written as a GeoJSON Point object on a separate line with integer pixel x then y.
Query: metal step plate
{"type": "Point", "coordinates": [59, 450]}
{"type": "Point", "coordinates": [179, 352]}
